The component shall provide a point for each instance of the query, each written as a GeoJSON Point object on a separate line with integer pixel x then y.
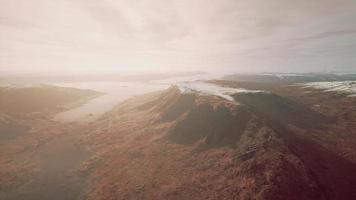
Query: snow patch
{"type": "Point", "coordinates": [204, 88]}
{"type": "Point", "coordinates": [345, 87]}
{"type": "Point", "coordinates": [287, 75]}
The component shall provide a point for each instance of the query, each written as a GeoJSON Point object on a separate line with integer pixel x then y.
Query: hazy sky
{"type": "Point", "coordinates": [232, 35]}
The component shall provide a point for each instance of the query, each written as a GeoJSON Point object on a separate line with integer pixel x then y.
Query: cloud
{"type": "Point", "coordinates": [238, 35]}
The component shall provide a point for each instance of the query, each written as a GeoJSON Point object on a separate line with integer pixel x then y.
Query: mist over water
{"type": "Point", "coordinates": [116, 92]}
{"type": "Point", "coordinates": [115, 87]}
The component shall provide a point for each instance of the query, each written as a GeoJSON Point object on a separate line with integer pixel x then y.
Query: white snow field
{"type": "Point", "coordinates": [345, 87]}
{"type": "Point", "coordinates": [204, 88]}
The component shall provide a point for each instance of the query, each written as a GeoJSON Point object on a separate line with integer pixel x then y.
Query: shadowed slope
{"type": "Point", "coordinates": [282, 110]}
{"type": "Point", "coordinates": [216, 122]}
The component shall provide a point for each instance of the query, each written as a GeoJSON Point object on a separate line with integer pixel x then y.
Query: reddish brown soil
{"type": "Point", "coordinates": [293, 144]}
{"type": "Point", "coordinates": [173, 146]}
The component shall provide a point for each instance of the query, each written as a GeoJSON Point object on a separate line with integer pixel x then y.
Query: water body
{"type": "Point", "coordinates": [114, 93]}
{"type": "Point", "coordinates": [117, 92]}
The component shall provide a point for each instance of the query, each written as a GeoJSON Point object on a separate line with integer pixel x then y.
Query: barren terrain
{"type": "Point", "coordinates": [37, 152]}
{"type": "Point", "coordinates": [291, 143]}
{"type": "Point", "coordinates": [215, 140]}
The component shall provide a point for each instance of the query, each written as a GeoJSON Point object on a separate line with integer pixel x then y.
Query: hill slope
{"type": "Point", "coordinates": [175, 145]}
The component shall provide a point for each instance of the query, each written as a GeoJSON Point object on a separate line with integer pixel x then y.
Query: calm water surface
{"type": "Point", "coordinates": [114, 93]}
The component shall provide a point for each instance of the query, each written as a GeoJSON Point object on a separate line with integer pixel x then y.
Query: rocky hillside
{"type": "Point", "coordinates": [174, 145]}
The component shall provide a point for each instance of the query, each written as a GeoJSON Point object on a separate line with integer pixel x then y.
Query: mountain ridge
{"type": "Point", "coordinates": [205, 151]}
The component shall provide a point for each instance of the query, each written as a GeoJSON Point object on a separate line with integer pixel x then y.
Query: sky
{"type": "Point", "coordinates": [174, 35]}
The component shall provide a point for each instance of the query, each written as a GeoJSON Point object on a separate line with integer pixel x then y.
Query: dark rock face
{"type": "Point", "coordinates": [281, 110]}
{"type": "Point", "coordinates": [216, 125]}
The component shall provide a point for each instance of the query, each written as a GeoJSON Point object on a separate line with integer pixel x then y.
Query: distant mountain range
{"type": "Point", "coordinates": [291, 77]}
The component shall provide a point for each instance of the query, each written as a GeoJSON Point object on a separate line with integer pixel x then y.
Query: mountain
{"type": "Point", "coordinates": [197, 144]}
{"type": "Point", "coordinates": [291, 77]}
